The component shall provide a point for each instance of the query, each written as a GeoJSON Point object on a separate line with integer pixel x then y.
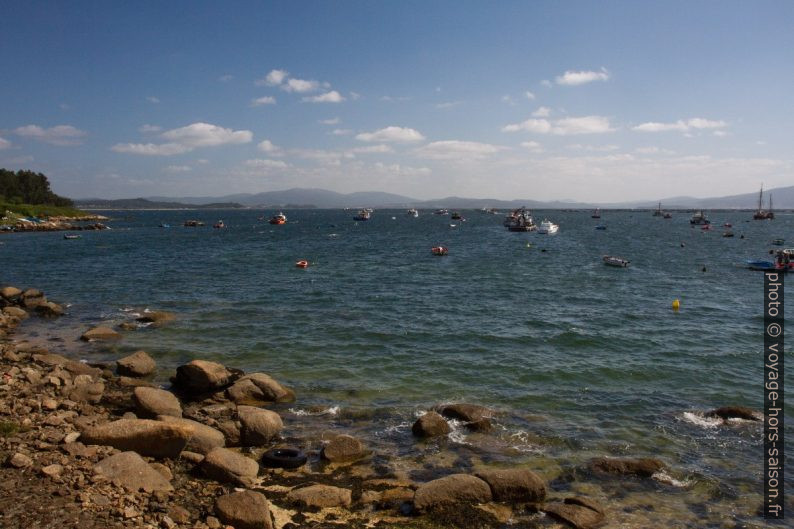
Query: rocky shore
{"type": "Point", "coordinates": [86, 222]}
{"type": "Point", "coordinates": [98, 445]}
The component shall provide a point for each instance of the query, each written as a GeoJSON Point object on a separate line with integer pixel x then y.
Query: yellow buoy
{"type": "Point", "coordinates": [676, 305]}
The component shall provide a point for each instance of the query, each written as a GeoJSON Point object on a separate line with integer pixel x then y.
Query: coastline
{"type": "Point", "coordinates": [49, 404]}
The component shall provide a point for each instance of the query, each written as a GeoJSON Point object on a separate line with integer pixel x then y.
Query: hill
{"type": "Point", "coordinates": [142, 203]}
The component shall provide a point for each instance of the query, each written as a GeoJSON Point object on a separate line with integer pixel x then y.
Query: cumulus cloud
{"type": "Point", "coordinates": [457, 150]}
{"type": "Point", "coordinates": [273, 78]}
{"type": "Point", "coordinates": [300, 86]}
{"type": "Point", "coordinates": [265, 100]}
{"type": "Point", "coordinates": [152, 99]}
{"type": "Point", "coordinates": [542, 112]}
{"type": "Point", "coordinates": [563, 127]}
{"type": "Point", "coordinates": [329, 97]}
{"type": "Point", "coordinates": [372, 149]}
{"type": "Point", "coordinates": [268, 147]}
{"type": "Point", "coordinates": [4, 144]}
{"type": "Point", "coordinates": [680, 125]}
{"type": "Point", "coordinates": [341, 132]}
{"type": "Point", "coordinates": [392, 134]}
{"type": "Point", "coordinates": [532, 146]}
{"type": "Point", "coordinates": [571, 78]}
{"type": "Point", "coordinates": [186, 139]}
{"type": "Point", "coordinates": [63, 135]}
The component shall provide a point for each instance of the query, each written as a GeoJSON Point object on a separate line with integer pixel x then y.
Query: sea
{"type": "Point", "coordinates": [578, 359]}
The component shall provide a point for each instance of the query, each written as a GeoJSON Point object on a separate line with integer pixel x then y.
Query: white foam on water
{"type": "Point", "coordinates": [664, 477]}
{"type": "Point", "coordinates": [333, 410]}
{"type": "Point", "coordinates": [458, 433]}
{"type": "Point", "coordinates": [699, 420]}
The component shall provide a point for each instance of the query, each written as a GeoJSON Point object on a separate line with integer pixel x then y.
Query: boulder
{"type": "Point", "coordinates": [203, 376]}
{"type": "Point", "coordinates": [138, 364]}
{"type": "Point", "coordinates": [151, 402]}
{"type": "Point", "coordinates": [16, 312]}
{"type": "Point", "coordinates": [321, 496]}
{"type": "Point", "coordinates": [457, 488]}
{"type": "Point", "coordinates": [204, 439]}
{"type": "Point", "coordinates": [32, 298]}
{"type": "Point", "coordinates": [100, 334]}
{"type": "Point", "coordinates": [147, 437]}
{"type": "Point", "coordinates": [483, 425]}
{"type": "Point", "coordinates": [227, 466]}
{"type": "Point", "coordinates": [344, 449]}
{"type": "Point", "coordinates": [466, 412]}
{"type": "Point", "coordinates": [49, 310]}
{"type": "Point", "coordinates": [258, 388]}
{"type": "Point", "coordinates": [73, 366]}
{"type": "Point", "coordinates": [736, 412]}
{"type": "Point", "coordinates": [156, 318]}
{"type": "Point", "coordinates": [10, 293]}
{"type": "Point", "coordinates": [244, 510]}
{"type": "Point", "coordinates": [644, 467]}
{"type": "Point", "coordinates": [431, 424]}
{"type": "Point", "coordinates": [85, 389]}
{"type": "Point", "coordinates": [516, 485]}
{"type": "Point", "coordinates": [132, 472]}
{"type": "Point", "coordinates": [259, 426]}
{"type": "Point", "coordinates": [580, 513]}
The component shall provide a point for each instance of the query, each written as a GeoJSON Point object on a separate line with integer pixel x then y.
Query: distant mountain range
{"type": "Point", "coordinates": [783, 198]}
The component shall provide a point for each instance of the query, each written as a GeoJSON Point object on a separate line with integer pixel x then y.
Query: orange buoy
{"type": "Point", "coordinates": [302, 263]}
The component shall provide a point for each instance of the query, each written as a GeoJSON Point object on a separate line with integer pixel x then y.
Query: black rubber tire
{"type": "Point", "coordinates": [284, 458]}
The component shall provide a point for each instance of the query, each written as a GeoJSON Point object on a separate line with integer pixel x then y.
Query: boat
{"type": "Point", "coordinates": [278, 219]}
{"type": "Point", "coordinates": [727, 225]}
{"type": "Point", "coordinates": [547, 227]}
{"type": "Point", "coordinates": [193, 223]}
{"type": "Point", "coordinates": [596, 214]}
{"type": "Point", "coordinates": [762, 214]}
{"type": "Point", "coordinates": [784, 262]}
{"type": "Point", "coordinates": [413, 212]}
{"type": "Point", "coordinates": [456, 216]}
{"type": "Point", "coordinates": [520, 220]}
{"type": "Point", "coordinates": [439, 250]}
{"type": "Point", "coordinates": [67, 236]}
{"type": "Point", "coordinates": [164, 225]}
{"type": "Point", "coordinates": [441, 212]}
{"type": "Point", "coordinates": [219, 224]}
{"type": "Point", "coordinates": [658, 212]}
{"type": "Point", "coordinates": [778, 242]}
{"type": "Point", "coordinates": [362, 215]}
{"type": "Point", "coordinates": [699, 218]}
{"type": "Point", "coordinates": [611, 260]}
{"type": "Point", "coordinates": [600, 227]}
{"type": "Point", "coordinates": [727, 233]}
{"type": "Point", "coordinates": [668, 216]}
{"type": "Point", "coordinates": [302, 263]}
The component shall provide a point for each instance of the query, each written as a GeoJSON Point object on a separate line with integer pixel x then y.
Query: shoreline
{"type": "Point", "coordinates": [55, 402]}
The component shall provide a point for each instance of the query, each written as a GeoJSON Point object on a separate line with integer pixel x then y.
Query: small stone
{"type": "Point", "coordinates": [50, 404]}
{"type": "Point", "coordinates": [52, 470]}
{"type": "Point", "coordinates": [213, 523]}
{"type": "Point", "coordinates": [344, 449]}
{"type": "Point", "coordinates": [321, 496]}
{"type": "Point", "coordinates": [20, 461]}
{"type": "Point", "coordinates": [138, 364]}
{"type": "Point", "coordinates": [71, 437]}
{"type": "Point", "coordinates": [179, 514]}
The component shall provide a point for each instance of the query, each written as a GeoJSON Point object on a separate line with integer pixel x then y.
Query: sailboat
{"type": "Point", "coordinates": [658, 212]}
{"type": "Point", "coordinates": [760, 213]}
{"type": "Point", "coordinates": [596, 214]}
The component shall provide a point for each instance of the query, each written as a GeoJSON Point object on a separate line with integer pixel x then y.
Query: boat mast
{"type": "Point", "coordinates": [760, 197]}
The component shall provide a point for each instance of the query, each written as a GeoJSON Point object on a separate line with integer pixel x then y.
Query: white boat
{"type": "Point", "coordinates": [547, 227]}
{"type": "Point", "coordinates": [413, 212]}
{"type": "Point", "coordinates": [611, 260]}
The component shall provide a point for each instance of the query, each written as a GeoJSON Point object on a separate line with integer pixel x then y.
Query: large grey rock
{"type": "Point", "coordinates": [132, 472]}
{"type": "Point", "coordinates": [514, 485]}
{"type": "Point", "coordinates": [466, 412]}
{"type": "Point", "coordinates": [204, 439]}
{"type": "Point", "coordinates": [244, 510]}
{"type": "Point", "coordinates": [431, 424]}
{"type": "Point", "coordinates": [644, 467]}
{"type": "Point", "coordinates": [580, 513]}
{"type": "Point", "coordinates": [259, 426]}
{"type": "Point", "coordinates": [457, 488]}
{"type": "Point", "coordinates": [259, 388]}
{"type": "Point", "coordinates": [100, 334]}
{"type": "Point", "coordinates": [151, 402]}
{"type": "Point", "coordinates": [203, 376]}
{"type": "Point", "coordinates": [224, 465]}
{"type": "Point", "coordinates": [138, 364]}
{"type": "Point", "coordinates": [321, 496]}
{"type": "Point", "coordinates": [344, 449]}
{"type": "Point", "coordinates": [147, 437]}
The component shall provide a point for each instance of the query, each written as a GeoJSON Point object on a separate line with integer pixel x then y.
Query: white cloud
{"type": "Point", "coordinates": [178, 168]}
{"type": "Point", "coordinates": [341, 132]}
{"type": "Point", "coordinates": [332, 121]}
{"type": "Point", "coordinates": [152, 99]}
{"type": "Point", "coordinates": [372, 149]}
{"type": "Point", "coordinates": [542, 112]}
{"type": "Point", "coordinates": [449, 104]}
{"type": "Point", "coordinates": [507, 99]}
{"type": "Point", "coordinates": [300, 86]}
{"type": "Point", "coordinates": [4, 144]}
{"type": "Point", "coordinates": [225, 78]}
{"type": "Point", "coordinates": [268, 147]}
{"type": "Point", "coordinates": [392, 134]}
{"type": "Point", "coordinates": [265, 100]}
{"type": "Point", "coordinates": [593, 148]}
{"type": "Point", "coordinates": [652, 150]}
{"type": "Point", "coordinates": [680, 125]}
{"type": "Point", "coordinates": [186, 139]}
{"type": "Point", "coordinates": [148, 129]}
{"type": "Point", "coordinates": [274, 78]}
{"type": "Point", "coordinates": [570, 78]}
{"type": "Point", "coordinates": [532, 146]}
{"type": "Point", "coordinates": [720, 133]}
{"type": "Point", "coordinates": [529, 95]}
{"type": "Point", "coordinates": [329, 97]}
{"type": "Point", "coordinates": [457, 150]}
{"type": "Point", "coordinates": [563, 127]}
{"type": "Point", "coordinates": [263, 163]}
{"type": "Point", "coordinates": [63, 135]}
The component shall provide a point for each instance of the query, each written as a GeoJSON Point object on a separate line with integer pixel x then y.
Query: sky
{"type": "Point", "coordinates": [547, 100]}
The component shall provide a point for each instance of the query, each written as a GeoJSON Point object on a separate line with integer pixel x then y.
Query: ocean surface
{"type": "Point", "coordinates": [580, 359]}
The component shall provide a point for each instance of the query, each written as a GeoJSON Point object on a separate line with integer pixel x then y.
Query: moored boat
{"type": "Point", "coordinates": [193, 223]}
{"type": "Point", "coordinates": [520, 220]}
{"type": "Point", "coordinates": [441, 212]}
{"type": "Point", "coordinates": [413, 212]}
{"type": "Point", "coordinates": [219, 224]}
{"type": "Point", "coordinates": [278, 219]}
{"type": "Point", "coordinates": [456, 216]}
{"type": "Point", "coordinates": [699, 218]}
{"type": "Point", "coordinates": [67, 236]}
{"type": "Point", "coordinates": [362, 215]}
{"type": "Point", "coordinates": [596, 214]}
{"type": "Point", "coordinates": [760, 213]}
{"type": "Point", "coordinates": [611, 260]}
{"type": "Point", "coordinates": [547, 227]}
{"type": "Point", "coordinates": [668, 216]}
{"type": "Point", "coordinates": [658, 212]}
{"type": "Point", "coordinates": [439, 250]}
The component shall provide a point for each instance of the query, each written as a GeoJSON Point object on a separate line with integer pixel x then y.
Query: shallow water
{"type": "Point", "coordinates": [581, 359]}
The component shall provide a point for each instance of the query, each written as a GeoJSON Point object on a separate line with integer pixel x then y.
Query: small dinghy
{"type": "Point", "coordinates": [611, 260]}
{"type": "Point", "coordinates": [439, 250]}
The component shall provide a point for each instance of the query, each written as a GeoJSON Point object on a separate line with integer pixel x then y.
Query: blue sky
{"type": "Point", "coordinates": [592, 101]}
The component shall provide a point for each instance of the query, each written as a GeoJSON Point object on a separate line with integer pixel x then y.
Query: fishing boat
{"type": "Point", "coordinates": [362, 215]}
{"type": "Point", "coordinates": [658, 212]}
{"type": "Point", "coordinates": [278, 219]}
{"type": "Point", "coordinates": [699, 219]}
{"type": "Point", "coordinates": [778, 242]}
{"type": "Point", "coordinates": [596, 214]}
{"type": "Point", "coordinates": [439, 250]}
{"type": "Point", "coordinates": [600, 227]}
{"type": "Point", "coordinates": [727, 233]}
{"type": "Point", "coordinates": [762, 214]}
{"type": "Point", "coordinates": [668, 216]}
{"type": "Point", "coordinates": [302, 263]}
{"type": "Point", "coordinates": [441, 212]}
{"type": "Point", "coordinates": [219, 224]}
{"type": "Point", "coordinates": [456, 216]}
{"type": "Point", "coordinates": [611, 260]}
{"type": "Point", "coordinates": [413, 212]}
{"type": "Point", "coordinates": [547, 227]}
{"type": "Point", "coordinates": [164, 225]}
{"type": "Point", "coordinates": [520, 220]}
{"type": "Point", "coordinates": [193, 223]}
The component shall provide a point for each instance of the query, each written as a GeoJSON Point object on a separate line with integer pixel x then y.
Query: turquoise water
{"type": "Point", "coordinates": [581, 359]}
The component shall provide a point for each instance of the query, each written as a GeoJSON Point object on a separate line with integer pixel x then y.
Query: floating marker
{"type": "Point", "coordinates": [676, 305]}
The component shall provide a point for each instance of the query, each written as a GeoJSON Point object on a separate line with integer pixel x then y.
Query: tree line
{"type": "Point", "coordinates": [27, 187]}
